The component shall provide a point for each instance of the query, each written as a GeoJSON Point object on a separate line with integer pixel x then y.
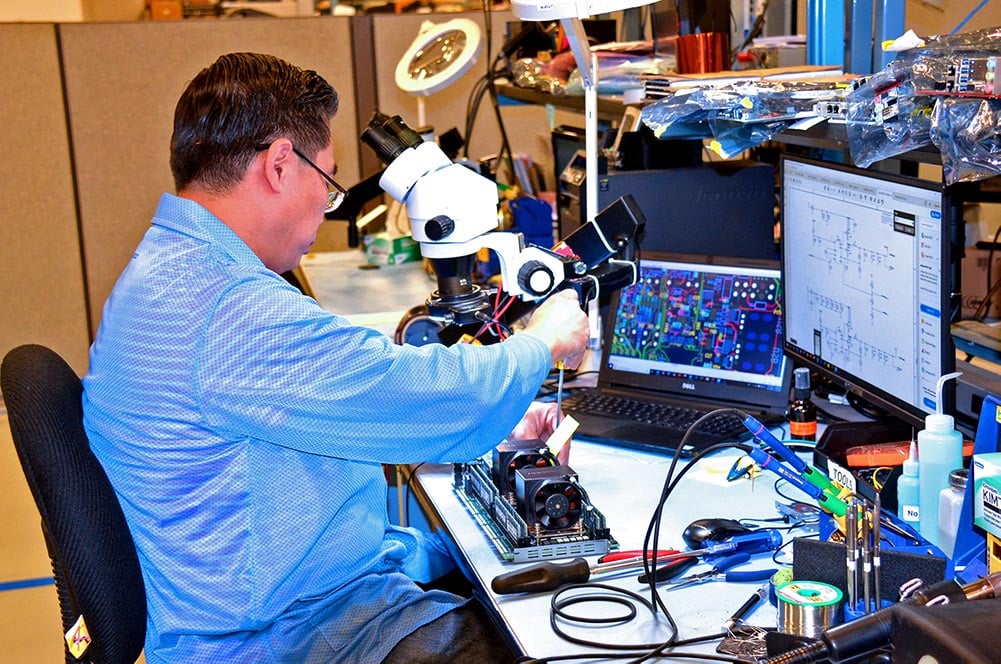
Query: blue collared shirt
{"type": "Point", "coordinates": [244, 427]}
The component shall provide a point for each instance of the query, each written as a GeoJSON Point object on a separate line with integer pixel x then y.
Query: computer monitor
{"type": "Point", "coordinates": [867, 273]}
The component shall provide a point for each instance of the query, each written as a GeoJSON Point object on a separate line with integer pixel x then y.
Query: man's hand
{"type": "Point", "coordinates": [540, 422]}
{"type": "Point", "coordinates": [562, 324]}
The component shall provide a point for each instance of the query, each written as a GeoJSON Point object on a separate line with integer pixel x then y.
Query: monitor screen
{"type": "Point", "coordinates": [866, 268]}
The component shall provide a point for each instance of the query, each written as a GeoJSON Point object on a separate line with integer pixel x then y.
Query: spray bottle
{"type": "Point", "coordinates": [940, 451]}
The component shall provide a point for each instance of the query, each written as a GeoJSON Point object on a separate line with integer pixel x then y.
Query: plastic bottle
{"type": "Point", "coordinates": [940, 451]}
{"type": "Point", "coordinates": [908, 493]}
{"type": "Point", "coordinates": [950, 507]}
{"type": "Point", "coordinates": [802, 412]}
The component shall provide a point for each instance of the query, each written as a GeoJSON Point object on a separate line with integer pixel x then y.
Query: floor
{"type": "Point", "coordinates": [30, 628]}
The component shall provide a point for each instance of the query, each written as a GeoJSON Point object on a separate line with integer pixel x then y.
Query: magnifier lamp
{"type": "Point", "coordinates": [438, 56]}
{"type": "Point", "coordinates": [570, 13]}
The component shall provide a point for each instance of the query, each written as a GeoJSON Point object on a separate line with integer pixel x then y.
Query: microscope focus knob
{"type": "Point", "coordinates": [535, 278]}
{"type": "Point", "coordinates": [438, 227]}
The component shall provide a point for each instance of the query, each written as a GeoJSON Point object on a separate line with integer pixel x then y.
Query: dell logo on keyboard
{"type": "Point", "coordinates": [688, 386]}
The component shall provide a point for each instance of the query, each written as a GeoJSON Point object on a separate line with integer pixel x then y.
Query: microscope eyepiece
{"type": "Point", "coordinates": [388, 136]}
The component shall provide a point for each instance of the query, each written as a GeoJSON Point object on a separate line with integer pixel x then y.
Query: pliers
{"type": "Point", "coordinates": [722, 567]}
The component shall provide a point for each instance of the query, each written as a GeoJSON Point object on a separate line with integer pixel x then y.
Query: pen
{"type": "Point", "coordinates": [746, 607]}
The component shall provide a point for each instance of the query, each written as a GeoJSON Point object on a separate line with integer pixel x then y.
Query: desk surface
{"type": "Point", "coordinates": [372, 296]}
{"type": "Point", "coordinates": [624, 485]}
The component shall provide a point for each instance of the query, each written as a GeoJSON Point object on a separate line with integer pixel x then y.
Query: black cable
{"type": "Point", "coordinates": [990, 264]}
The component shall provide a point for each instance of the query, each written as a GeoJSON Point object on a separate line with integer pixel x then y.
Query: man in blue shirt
{"type": "Point", "coordinates": [244, 428]}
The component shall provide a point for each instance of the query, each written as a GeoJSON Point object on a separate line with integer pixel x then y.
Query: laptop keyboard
{"type": "Point", "coordinates": [663, 415]}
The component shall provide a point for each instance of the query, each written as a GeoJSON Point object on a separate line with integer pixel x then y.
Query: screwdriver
{"type": "Point", "coordinates": [549, 576]}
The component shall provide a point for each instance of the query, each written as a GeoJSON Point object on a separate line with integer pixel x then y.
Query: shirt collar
{"type": "Point", "coordinates": [185, 216]}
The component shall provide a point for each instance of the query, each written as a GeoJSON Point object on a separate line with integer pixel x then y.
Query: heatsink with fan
{"type": "Point", "coordinates": [514, 454]}
{"type": "Point", "coordinates": [547, 515]}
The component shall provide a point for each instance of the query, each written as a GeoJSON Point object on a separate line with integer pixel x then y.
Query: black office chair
{"type": "Point", "coordinates": [94, 560]}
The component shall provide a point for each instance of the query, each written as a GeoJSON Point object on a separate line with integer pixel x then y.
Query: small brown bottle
{"type": "Point", "coordinates": [802, 412]}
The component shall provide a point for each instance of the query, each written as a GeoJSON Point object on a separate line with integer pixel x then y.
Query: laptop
{"type": "Point", "coordinates": [694, 332]}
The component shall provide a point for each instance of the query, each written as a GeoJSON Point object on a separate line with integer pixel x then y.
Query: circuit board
{"type": "Point", "coordinates": [514, 538]}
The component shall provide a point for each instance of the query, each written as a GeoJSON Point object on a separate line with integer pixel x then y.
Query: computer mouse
{"type": "Point", "coordinates": [700, 530]}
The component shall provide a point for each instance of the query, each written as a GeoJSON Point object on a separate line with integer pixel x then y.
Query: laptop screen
{"type": "Point", "coordinates": [700, 326]}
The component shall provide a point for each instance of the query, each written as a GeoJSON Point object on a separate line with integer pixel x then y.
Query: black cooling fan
{"type": "Point", "coordinates": [513, 454]}
{"type": "Point", "coordinates": [549, 497]}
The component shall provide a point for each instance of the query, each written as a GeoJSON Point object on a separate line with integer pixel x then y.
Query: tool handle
{"type": "Point", "coordinates": [670, 570]}
{"type": "Point", "coordinates": [738, 576]}
{"type": "Point", "coordinates": [732, 560]}
{"type": "Point", "coordinates": [541, 576]}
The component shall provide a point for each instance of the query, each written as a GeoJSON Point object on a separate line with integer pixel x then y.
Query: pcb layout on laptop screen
{"type": "Point", "coordinates": [701, 322]}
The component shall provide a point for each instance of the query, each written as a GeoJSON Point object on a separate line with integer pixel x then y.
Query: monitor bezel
{"type": "Point", "coordinates": [852, 384]}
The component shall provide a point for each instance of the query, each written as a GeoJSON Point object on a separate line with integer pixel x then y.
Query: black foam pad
{"type": "Point", "coordinates": [825, 562]}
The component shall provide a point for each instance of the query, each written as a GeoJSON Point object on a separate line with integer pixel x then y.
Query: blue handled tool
{"type": "Point", "coordinates": [722, 567]}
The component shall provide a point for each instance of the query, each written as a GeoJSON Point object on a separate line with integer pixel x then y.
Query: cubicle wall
{"type": "Point", "coordinates": [42, 292]}
{"type": "Point", "coordinates": [87, 111]}
{"type": "Point", "coordinates": [122, 81]}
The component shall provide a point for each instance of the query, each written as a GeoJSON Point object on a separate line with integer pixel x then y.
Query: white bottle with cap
{"type": "Point", "coordinates": [940, 451]}
{"type": "Point", "coordinates": [908, 491]}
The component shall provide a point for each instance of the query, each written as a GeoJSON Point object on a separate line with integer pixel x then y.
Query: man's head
{"type": "Point", "coordinates": [239, 102]}
{"type": "Point", "coordinates": [252, 145]}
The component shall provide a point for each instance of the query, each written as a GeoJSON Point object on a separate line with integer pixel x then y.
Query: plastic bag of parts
{"type": "Point", "coordinates": [894, 111]}
{"type": "Point", "coordinates": [769, 106]}
{"type": "Point", "coordinates": [885, 118]}
{"type": "Point", "coordinates": [968, 134]}
{"type": "Point", "coordinates": [616, 74]}
{"type": "Point", "coordinates": [529, 73]}
{"type": "Point", "coordinates": [733, 137]}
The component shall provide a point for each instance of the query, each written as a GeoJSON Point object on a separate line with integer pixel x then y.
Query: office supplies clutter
{"type": "Point", "coordinates": [940, 451]}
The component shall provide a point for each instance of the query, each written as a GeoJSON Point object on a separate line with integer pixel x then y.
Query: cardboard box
{"type": "Point", "coordinates": [381, 249]}
{"type": "Point", "coordinates": [166, 10]}
{"type": "Point", "coordinates": [987, 492]}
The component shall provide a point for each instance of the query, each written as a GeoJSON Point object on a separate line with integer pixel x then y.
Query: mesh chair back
{"type": "Point", "coordinates": [93, 555]}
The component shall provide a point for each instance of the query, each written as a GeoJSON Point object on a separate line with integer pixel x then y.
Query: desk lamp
{"type": "Point", "coordinates": [439, 55]}
{"type": "Point", "coordinates": [570, 14]}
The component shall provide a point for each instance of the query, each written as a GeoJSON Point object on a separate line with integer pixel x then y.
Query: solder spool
{"type": "Point", "coordinates": [807, 608]}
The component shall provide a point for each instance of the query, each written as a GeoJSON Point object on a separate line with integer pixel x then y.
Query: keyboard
{"type": "Point", "coordinates": [657, 414]}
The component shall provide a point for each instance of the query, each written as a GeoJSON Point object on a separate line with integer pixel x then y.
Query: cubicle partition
{"type": "Point", "coordinates": [41, 271]}
{"type": "Point", "coordinates": [122, 81]}
{"type": "Point", "coordinates": [87, 111]}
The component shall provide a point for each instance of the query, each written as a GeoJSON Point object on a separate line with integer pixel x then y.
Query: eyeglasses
{"type": "Point", "coordinates": [335, 192]}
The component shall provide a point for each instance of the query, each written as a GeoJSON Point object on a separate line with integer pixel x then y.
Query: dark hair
{"type": "Point", "coordinates": [239, 101]}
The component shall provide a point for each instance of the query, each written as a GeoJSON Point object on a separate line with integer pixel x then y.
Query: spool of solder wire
{"type": "Point", "coordinates": [807, 608]}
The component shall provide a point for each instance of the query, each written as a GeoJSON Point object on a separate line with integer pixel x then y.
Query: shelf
{"type": "Point", "coordinates": [609, 108]}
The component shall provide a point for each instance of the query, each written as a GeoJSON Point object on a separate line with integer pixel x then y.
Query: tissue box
{"type": "Point", "coordinates": [987, 492]}
{"type": "Point", "coordinates": [381, 249]}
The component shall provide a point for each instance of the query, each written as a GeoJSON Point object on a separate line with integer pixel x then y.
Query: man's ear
{"type": "Point", "coordinates": [277, 161]}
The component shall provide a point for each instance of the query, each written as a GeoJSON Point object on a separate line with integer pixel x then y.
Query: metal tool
{"type": "Point", "coordinates": [746, 607]}
{"type": "Point", "coordinates": [851, 562]}
{"type": "Point", "coordinates": [548, 575]}
{"type": "Point", "coordinates": [877, 517]}
{"type": "Point", "coordinates": [721, 568]}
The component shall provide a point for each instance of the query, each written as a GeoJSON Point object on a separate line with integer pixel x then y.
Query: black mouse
{"type": "Point", "coordinates": [700, 530]}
